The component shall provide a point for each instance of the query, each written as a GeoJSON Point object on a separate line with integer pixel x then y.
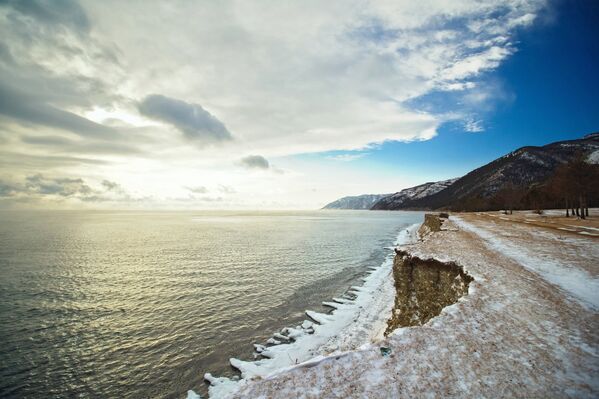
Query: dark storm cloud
{"type": "Point", "coordinates": [255, 162]}
{"type": "Point", "coordinates": [191, 119]}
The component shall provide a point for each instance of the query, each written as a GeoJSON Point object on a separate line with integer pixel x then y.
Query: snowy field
{"type": "Point", "coordinates": [561, 260]}
{"type": "Point", "coordinates": [527, 328]}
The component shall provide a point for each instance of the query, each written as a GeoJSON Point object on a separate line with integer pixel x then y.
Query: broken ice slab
{"type": "Point", "coordinates": [320, 318]}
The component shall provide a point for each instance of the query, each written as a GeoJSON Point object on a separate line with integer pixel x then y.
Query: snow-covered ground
{"type": "Point", "coordinates": [357, 319]}
{"type": "Point", "coordinates": [528, 327]}
{"type": "Point", "coordinates": [535, 249]}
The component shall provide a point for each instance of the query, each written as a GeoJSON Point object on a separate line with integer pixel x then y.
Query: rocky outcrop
{"type": "Point", "coordinates": [432, 223]}
{"type": "Point", "coordinates": [424, 287]}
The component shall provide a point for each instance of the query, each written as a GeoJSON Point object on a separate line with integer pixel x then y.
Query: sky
{"type": "Point", "coordinates": [279, 105]}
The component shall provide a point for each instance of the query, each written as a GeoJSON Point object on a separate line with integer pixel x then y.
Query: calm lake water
{"type": "Point", "coordinates": [142, 304]}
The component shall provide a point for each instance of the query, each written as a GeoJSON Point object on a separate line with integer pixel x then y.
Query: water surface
{"type": "Point", "coordinates": [141, 304]}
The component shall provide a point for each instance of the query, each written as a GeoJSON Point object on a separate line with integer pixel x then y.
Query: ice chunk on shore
{"type": "Point", "coordinates": [192, 395]}
{"type": "Point", "coordinates": [357, 319]}
{"type": "Point", "coordinates": [280, 337]}
{"type": "Point", "coordinates": [220, 387]}
{"type": "Point", "coordinates": [294, 333]}
{"type": "Point", "coordinates": [342, 300]}
{"type": "Point", "coordinates": [320, 318]}
{"type": "Point", "coordinates": [307, 324]}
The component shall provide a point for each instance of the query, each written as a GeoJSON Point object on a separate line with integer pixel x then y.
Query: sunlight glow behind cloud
{"type": "Point", "coordinates": [86, 93]}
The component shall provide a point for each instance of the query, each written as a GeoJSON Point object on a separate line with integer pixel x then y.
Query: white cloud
{"type": "Point", "coordinates": [226, 189]}
{"type": "Point", "coordinates": [308, 76]}
{"type": "Point", "coordinates": [347, 157]}
{"type": "Point", "coordinates": [473, 126]}
{"type": "Point", "coordinates": [287, 78]}
{"type": "Point", "coordinates": [474, 64]}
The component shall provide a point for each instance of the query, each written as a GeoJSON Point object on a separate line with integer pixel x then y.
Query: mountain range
{"type": "Point", "coordinates": [365, 201]}
{"type": "Point", "coordinates": [524, 167]}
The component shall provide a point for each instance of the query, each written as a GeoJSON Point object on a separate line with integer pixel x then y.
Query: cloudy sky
{"type": "Point", "coordinates": [261, 104]}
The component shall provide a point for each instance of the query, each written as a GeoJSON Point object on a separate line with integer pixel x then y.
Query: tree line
{"type": "Point", "coordinates": [573, 186]}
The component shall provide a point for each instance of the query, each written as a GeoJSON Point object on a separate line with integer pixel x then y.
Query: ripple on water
{"type": "Point", "coordinates": [133, 304]}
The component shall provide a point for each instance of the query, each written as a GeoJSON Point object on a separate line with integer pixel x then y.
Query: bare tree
{"type": "Point", "coordinates": [576, 182]}
{"type": "Point", "coordinates": [510, 196]}
{"type": "Point", "coordinates": [562, 186]}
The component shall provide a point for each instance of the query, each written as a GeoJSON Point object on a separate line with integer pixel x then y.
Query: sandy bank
{"type": "Point", "coordinates": [528, 327]}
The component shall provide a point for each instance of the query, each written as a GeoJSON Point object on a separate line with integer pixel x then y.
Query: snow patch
{"type": "Point", "coordinates": [584, 227]}
{"type": "Point", "coordinates": [593, 157]}
{"type": "Point", "coordinates": [586, 233]}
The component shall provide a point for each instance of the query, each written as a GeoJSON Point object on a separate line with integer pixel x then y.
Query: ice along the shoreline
{"type": "Point", "coordinates": [358, 318]}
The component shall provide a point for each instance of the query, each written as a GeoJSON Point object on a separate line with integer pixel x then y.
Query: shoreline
{"type": "Point", "coordinates": [358, 318]}
{"type": "Point", "coordinates": [520, 330]}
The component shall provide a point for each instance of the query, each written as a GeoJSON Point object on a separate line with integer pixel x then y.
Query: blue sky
{"type": "Point", "coordinates": [548, 91]}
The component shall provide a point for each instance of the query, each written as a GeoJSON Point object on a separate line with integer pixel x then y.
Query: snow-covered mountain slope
{"type": "Point", "coordinates": [523, 167]}
{"type": "Point", "coordinates": [355, 202]}
{"type": "Point", "coordinates": [389, 201]}
{"type": "Point", "coordinates": [399, 199]}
